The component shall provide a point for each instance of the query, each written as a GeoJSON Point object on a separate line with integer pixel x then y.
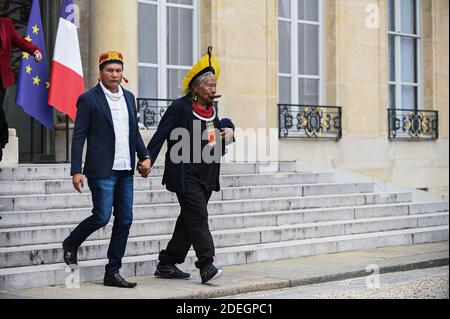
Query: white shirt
{"type": "Point", "coordinates": [119, 112]}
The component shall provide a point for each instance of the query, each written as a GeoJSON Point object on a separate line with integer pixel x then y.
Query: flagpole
{"type": "Point", "coordinates": [67, 139]}
{"type": "Point", "coordinates": [32, 140]}
{"type": "Point", "coordinates": [43, 155]}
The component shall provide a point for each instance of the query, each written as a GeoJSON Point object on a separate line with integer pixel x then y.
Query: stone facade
{"type": "Point", "coordinates": [245, 39]}
{"type": "Point", "coordinates": [245, 36]}
{"type": "Point", "coordinates": [356, 79]}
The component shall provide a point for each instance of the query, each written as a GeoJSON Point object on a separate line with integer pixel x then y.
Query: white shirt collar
{"type": "Point", "coordinates": [113, 96]}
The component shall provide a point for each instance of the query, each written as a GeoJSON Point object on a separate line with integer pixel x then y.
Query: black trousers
{"type": "Point", "coordinates": [191, 228]}
{"type": "Point", "coordinates": [3, 123]}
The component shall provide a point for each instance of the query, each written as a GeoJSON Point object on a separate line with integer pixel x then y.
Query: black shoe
{"type": "Point", "coordinates": [116, 280]}
{"type": "Point", "coordinates": [210, 272]}
{"type": "Point", "coordinates": [70, 256]}
{"type": "Point", "coordinates": [170, 272]}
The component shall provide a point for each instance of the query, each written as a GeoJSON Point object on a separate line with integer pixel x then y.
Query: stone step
{"type": "Point", "coordinates": [62, 201]}
{"type": "Point", "coordinates": [146, 227]}
{"type": "Point", "coordinates": [62, 171]}
{"type": "Point", "coordinates": [76, 215]}
{"type": "Point", "coordinates": [142, 245]}
{"type": "Point", "coordinates": [57, 274]}
{"type": "Point", "coordinates": [34, 187]}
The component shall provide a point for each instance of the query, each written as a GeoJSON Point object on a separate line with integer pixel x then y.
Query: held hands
{"type": "Point", "coordinates": [144, 168]}
{"type": "Point", "coordinates": [78, 182]}
{"type": "Point", "coordinates": [37, 56]}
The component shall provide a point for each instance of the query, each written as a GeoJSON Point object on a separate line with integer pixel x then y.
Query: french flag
{"type": "Point", "coordinates": [66, 77]}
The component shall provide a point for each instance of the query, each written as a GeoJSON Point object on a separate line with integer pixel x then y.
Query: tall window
{"type": "Point", "coordinates": [300, 34]}
{"type": "Point", "coordinates": [404, 50]}
{"type": "Point", "coordinates": [168, 45]}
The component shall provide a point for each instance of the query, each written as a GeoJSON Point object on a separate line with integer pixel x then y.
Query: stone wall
{"type": "Point", "coordinates": [356, 79]}
{"type": "Point", "coordinates": [244, 36]}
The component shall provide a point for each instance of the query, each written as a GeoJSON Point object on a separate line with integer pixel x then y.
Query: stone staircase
{"type": "Point", "coordinates": [263, 212]}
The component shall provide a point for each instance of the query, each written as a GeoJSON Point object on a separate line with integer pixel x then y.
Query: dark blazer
{"type": "Point", "coordinates": [9, 37]}
{"type": "Point", "coordinates": [178, 115]}
{"type": "Point", "coordinates": [94, 122]}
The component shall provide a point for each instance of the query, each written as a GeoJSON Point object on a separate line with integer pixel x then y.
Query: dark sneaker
{"type": "Point", "coordinates": [210, 273]}
{"type": "Point", "coordinates": [116, 280]}
{"type": "Point", "coordinates": [170, 272]}
{"type": "Point", "coordinates": [70, 256]}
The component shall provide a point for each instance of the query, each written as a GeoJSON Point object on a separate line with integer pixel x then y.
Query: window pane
{"type": "Point", "coordinates": [284, 49]}
{"type": "Point", "coordinates": [284, 8]}
{"type": "Point", "coordinates": [148, 82]}
{"type": "Point", "coordinates": [392, 64]}
{"type": "Point", "coordinates": [409, 73]}
{"type": "Point", "coordinates": [148, 33]}
{"type": "Point", "coordinates": [174, 81]}
{"type": "Point", "coordinates": [409, 97]}
{"type": "Point", "coordinates": [392, 103]}
{"type": "Point", "coordinates": [308, 49]}
{"type": "Point", "coordinates": [308, 10]}
{"type": "Point", "coordinates": [391, 15]}
{"type": "Point", "coordinates": [408, 16]}
{"type": "Point", "coordinates": [308, 91]}
{"type": "Point", "coordinates": [285, 90]}
{"type": "Point", "coordinates": [179, 38]}
{"type": "Point", "coordinates": [187, 2]}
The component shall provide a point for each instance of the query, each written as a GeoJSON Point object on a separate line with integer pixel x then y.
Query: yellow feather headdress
{"type": "Point", "coordinates": [208, 63]}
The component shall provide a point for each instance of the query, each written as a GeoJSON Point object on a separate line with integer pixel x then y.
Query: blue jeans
{"type": "Point", "coordinates": [115, 191]}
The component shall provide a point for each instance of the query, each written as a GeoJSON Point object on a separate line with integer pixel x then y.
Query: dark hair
{"type": "Point", "coordinates": [102, 66]}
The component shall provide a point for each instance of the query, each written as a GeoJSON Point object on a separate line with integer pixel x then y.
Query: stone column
{"type": "Point", "coordinates": [440, 40]}
{"type": "Point", "coordinates": [244, 37]}
{"type": "Point", "coordinates": [114, 26]}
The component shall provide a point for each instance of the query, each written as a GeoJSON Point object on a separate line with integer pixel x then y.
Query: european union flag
{"type": "Point", "coordinates": [33, 83]}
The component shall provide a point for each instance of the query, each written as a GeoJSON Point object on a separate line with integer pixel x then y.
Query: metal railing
{"type": "Point", "coordinates": [151, 111]}
{"type": "Point", "coordinates": [409, 124]}
{"type": "Point", "coordinates": [310, 122]}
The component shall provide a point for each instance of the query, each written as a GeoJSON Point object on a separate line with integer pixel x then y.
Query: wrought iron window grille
{"type": "Point", "coordinates": [410, 124]}
{"type": "Point", "coordinates": [310, 122]}
{"type": "Point", "coordinates": [151, 111]}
